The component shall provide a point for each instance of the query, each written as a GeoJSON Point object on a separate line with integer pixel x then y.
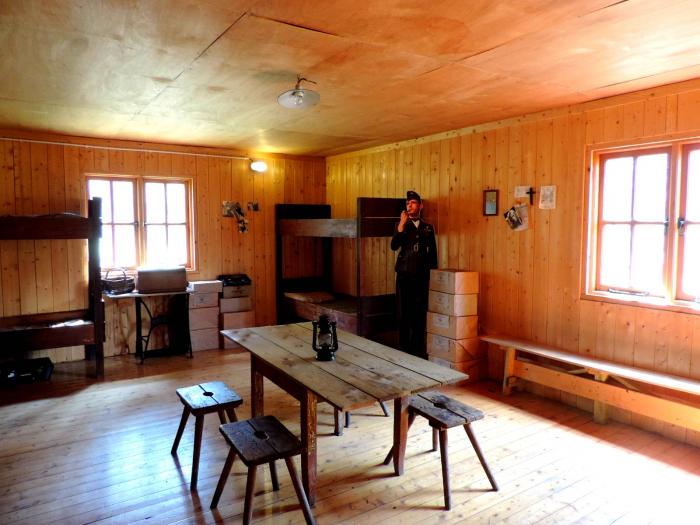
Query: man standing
{"type": "Point", "coordinates": [415, 240]}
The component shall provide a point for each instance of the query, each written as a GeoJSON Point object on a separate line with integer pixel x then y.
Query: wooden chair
{"type": "Point", "coordinates": [442, 413]}
{"type": "Point", "coordinates": [258, 441]}
{"type": "Point", "coordinates": [200, 400]}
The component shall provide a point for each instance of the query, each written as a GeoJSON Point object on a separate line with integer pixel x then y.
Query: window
{"type": "Point", "coordinates": [145, 221]}
{"type": "Point", "coordinates": [644, 224]}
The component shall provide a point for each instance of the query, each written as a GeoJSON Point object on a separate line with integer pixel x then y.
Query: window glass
{"type": "Point", "coordinates": [177, 204]}
{"type": "Point", "coordinates": [106, 251]}
{"type": "Point", "coordinates": [177, 244]}
{"type": "Point", "coordinates": [615, 263]}
{"type": "Point", "coordinates": [691, 262]}
{"type": "Point", "coordinates": [124, 246]}
{"type": "Point", "coordinates": [101, 188]}
{"type": "Point", "coordinates": [156, 245]}
{"type": "Point", "coordinates": [692, 210]}
{"type": "Point", "coordinates": [155, 202]}
{"type": "Point", "coordinates": [617, 189]}
{"type": "Point", "coordinates": [647, 265]}
{"type": "Point", "coordinates": [123, 195]}
{"type": "Point", "coordinates": [650, 183]}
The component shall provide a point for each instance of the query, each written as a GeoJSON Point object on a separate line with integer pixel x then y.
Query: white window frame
{"type": "Point", "coordinates": [140, 212]}
{"type": "Point", "coordinates": [672, 299]}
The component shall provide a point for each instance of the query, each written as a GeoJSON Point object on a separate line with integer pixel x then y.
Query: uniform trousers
{"type": "Point", "coordinates": [412, 294]}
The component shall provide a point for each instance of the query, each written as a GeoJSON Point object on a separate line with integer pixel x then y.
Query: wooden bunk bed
{"type": "Point", "coordinates": [60, 329]}
{"type": "Point", "coordinates": [309, 297]}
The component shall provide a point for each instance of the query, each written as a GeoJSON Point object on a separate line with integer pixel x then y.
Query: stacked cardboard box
{"type": "Point", "coordinates": [204, 314]}
{"type": "Point", "coordinates": [452, 322]}
{"type": "Point", "coordinates": [236, 311]}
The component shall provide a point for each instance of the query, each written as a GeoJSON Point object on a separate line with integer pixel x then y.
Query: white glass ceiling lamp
{"type": "Point", "coordinates": [258, 166]}
{"type": "Point", "coordinates": [299, 98]}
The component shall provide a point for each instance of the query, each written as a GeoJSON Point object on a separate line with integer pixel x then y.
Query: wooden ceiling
{"type": "Point", "coordinates": [208, 72]}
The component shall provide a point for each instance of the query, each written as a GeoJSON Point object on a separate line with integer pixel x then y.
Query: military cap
{"type": "Point", "coordinates": [412, 196]}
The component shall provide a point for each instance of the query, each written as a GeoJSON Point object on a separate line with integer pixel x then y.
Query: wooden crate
{"type": "Point", "coordinates": [474, 369]}
{"type": "Point", "coordinates": [230, 321]}
{"type": "Point", "coordinates": [205, 286]}
{"type": "Point", "coordinates": [205, 339]}
{"type": "Point", "coordinates": [201, 318]}
{"type": "Point", "coordinates": [455, 350]}
{"type": "Point", "coordinates": [454, 281]}
{"type": "Point", "coordinates": [204, 300]}
{"type": "Point", "coordinates": [235, 304]}
{"type": "Point", "coordinates": [452, 326]}
{"type": "Point", "coordinates": [452, 304]}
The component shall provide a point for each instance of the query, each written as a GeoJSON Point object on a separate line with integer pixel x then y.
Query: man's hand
{"type": "Point", "coordinates": [402, 221]}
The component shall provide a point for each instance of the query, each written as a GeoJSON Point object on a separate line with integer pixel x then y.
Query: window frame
{"type": "Point", "coordinates": [679, 148]}
{"type": "Point", "coordinates": [140, 212]}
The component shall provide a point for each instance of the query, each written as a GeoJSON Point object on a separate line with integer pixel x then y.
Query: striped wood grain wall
{"type": "Point", "coordinates": [530, 281]}
{"type": "Point", "coordinates": [41, 177]}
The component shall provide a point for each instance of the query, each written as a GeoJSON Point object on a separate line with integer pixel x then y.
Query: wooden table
{"type": "Point", "coordinates": [363, 374]}
{"type": "Point", "coordinates": [176, 319]}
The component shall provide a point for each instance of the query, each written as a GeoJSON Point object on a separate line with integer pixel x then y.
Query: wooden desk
{"type": "Point", "coordinates": [177, 320]}
{"type": "Point", "coordinates": [363, 374]}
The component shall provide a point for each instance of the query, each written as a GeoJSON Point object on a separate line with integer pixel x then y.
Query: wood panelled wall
{"type": "Point", "coordinates": [530, 280]}
{"type": "Point", "coordinates": [39, 177]}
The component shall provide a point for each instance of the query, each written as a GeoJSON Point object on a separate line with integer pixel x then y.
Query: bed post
{"type": "Point", "coordinates": [96, 303]}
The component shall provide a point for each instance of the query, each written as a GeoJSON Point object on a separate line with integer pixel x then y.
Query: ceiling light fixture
{"type": "Point", "coordinates": [259, 166]}
{"type": "Point", "coordinates": [299, 98]}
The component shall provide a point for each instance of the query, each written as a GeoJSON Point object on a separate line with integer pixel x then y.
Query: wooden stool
{"type": "Point", "coordinates": [199, 400]}
{"type": "Point", "coordinates": [442, 413]}
{"type": "Point", "coordinates": [257, 441]}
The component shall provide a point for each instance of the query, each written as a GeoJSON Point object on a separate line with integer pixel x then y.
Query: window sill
{"type": "Point", "coordinates": [656, 303]}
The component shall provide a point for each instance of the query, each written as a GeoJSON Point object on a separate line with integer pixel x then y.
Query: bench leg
{"type": "Point", "coordinates": [508, 367]}
{"type": "Point", "coordinates": [303, 500]}
{"type": "Point", "coordinates": [347, 419]}
{"type": "Point", "coordinates": [411, 419]}
{"type": "Point", "coordinates": [445, 469]}
{"type": "Point", "coordinates": [249, 491]}
{"type": "Point", "coordinates": [198, 427]}
{"type": "Point", "coordinates": [273, 476]}
{"type": "Point", "coordinates": [222, 416]}
{"type": "Point", "coordinates": [180, 429]}
{"type": "Point", "coordinates": [384, 408]}
{"type": "Point", "coordinates": [482, 459]}
{"type": "Point", "coordinates": [223, 478]}
{"type": "Point", "coordinates": [600, 409]}
{"type": "Point", "coordinates": [336, 418]}
{"type": "Point", "coordinates": [435, 439]}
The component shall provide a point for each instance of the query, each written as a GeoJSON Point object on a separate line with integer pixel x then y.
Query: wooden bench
{"type": "Point", "coordinates": [258, 441]}
{"type": "Point", "coordinates": [200, 400]}
{"type": "Point", "coordinates": [444, 413]}
{"type": "Point", "coordinates": [605, 382]}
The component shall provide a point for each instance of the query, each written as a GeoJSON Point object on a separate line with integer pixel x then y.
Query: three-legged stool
{"type": "Point", "coordinates": [258, 441]}
{"type": "Point", "coordinates": [442, 413]}
{"type": "Point", "coordinates": [200, 400]}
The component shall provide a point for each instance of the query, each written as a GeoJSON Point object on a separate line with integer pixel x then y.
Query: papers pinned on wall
{"type": "Point", "coordinates": [548, 197]}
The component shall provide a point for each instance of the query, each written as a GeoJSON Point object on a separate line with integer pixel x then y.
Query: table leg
{"type": "Point", "coordinates": [400, 432]}
{"type": "Point", "coordinates": [308, 445]}
{"type": "Point", "coordinates": [256, 389]}
{"type": "Point", "coordinates": [139, 340]}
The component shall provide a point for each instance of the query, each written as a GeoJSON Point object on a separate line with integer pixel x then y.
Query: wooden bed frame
{"type": "Point", "coordinates": [363, 315]}
{"type": "Point", "coordinates": [60, 329]}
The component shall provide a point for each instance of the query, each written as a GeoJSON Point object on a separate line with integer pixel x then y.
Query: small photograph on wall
{"type": "Point", "coordinates": [490, 202]}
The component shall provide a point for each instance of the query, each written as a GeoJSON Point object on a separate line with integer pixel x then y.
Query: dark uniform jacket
{"type": "Point", "coordinates": [418, 252]}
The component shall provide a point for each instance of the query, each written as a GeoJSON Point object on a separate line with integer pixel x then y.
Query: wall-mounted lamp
{"type": "Point", "coordinates": [259, 166]}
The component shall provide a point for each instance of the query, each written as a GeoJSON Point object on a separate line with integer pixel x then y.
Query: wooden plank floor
{"type": "Point", "coordinates": [78, 451]}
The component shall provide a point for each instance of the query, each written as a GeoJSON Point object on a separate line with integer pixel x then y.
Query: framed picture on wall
{"type": "Point", "coordinates": [490, 202]}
